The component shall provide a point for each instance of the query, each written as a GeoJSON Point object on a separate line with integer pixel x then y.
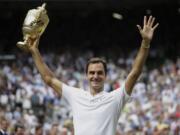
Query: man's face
{"type": "Point", "coordinates": [4, 124]}
{"type": "Point", "coordinates": [20, 131]}
{"type": "Point", "coordinates": [39, 131]}
{"type": "Point", "coordinates": [96, 77]}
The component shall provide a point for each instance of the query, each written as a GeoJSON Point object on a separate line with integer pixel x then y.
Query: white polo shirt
{"type": "Point", "coordinates": [95, 115]}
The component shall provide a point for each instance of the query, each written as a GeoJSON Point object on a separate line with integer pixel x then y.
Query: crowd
{"type": "Point", "coordinates": [28, 106]}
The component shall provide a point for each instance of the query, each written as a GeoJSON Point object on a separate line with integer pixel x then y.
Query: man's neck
{"type": "Point", "coordinates": [95, 92]}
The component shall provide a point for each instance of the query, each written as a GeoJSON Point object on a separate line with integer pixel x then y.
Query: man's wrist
{"type": "Point", "coordinates": [34, 51]}
{"type": "Point", "coordinates": [145, 44]}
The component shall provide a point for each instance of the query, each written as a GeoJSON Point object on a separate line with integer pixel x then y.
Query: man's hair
{"type": "Point", "coordinates": [18, 125]}
{"type": "Point", "coordinates": [2, 118]}
{"type": "Point", "coordinates": [97, 60]}
{"type": "Point", "coordinates": [39, 126]}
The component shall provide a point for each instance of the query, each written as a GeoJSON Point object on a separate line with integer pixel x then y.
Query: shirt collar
{"type": "Point", "coordinates": [97, 95]}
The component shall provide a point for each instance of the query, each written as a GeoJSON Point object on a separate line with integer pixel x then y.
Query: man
{"type": "Point", "coordinates": [19, 129]}
{"type": "Point", "coordinates": [4, 124]}
{"type": "Point", "coordinates": [39, 130]}
{"type": "Point", "coordinates": [97, 112]}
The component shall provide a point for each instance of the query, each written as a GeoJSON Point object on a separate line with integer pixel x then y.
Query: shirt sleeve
{"type": "Point", "coordinates": [68, 93]}
{"type": "Point", "coordinates": [121, 96]}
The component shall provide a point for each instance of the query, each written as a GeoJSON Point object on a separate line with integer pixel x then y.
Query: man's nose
{"type": "Point", "coordinates": [95, 75]}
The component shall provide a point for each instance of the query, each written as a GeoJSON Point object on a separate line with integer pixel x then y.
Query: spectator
{"type": "Point", "coordinates": [4, 125]}
{"type": "Point", "coordinates": [19, 129]}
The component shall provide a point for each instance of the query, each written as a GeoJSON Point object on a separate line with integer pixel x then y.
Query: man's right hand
{"type": "Point", "coordinates": [29, 45]}
{"type": "Point", "coordinates": [33, 44]}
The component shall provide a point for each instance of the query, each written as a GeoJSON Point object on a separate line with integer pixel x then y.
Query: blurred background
{"type": "Point", "coordinates": [77, 31]}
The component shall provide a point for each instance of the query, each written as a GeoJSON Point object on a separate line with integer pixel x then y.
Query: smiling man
{"type": "Point", "coordinates": [97, 112]}
{"type": "Point", "coordinates": [96, 74]}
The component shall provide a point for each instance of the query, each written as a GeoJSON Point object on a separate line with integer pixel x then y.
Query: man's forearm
{"type": "Point", "coordinates": [41, 66]}
{"type": "Point", "coordinates": [137, 66]}
{"type": "Point", "coordinates": [141, 57]}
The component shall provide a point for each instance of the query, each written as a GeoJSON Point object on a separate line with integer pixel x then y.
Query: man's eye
{"type": "Point", "coordinates": [100, 73]}
{"type": "Point", "coordinates": [91, 73]}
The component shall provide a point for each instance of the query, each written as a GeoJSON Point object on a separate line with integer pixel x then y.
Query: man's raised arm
{"type": "Point", "coordinates": [147, 34]}
{"type": "Point", "coordinates": [46, 74]}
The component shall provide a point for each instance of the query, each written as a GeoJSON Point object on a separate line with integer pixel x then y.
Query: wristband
{"type": "Point", "coordinates": [146, 46]}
